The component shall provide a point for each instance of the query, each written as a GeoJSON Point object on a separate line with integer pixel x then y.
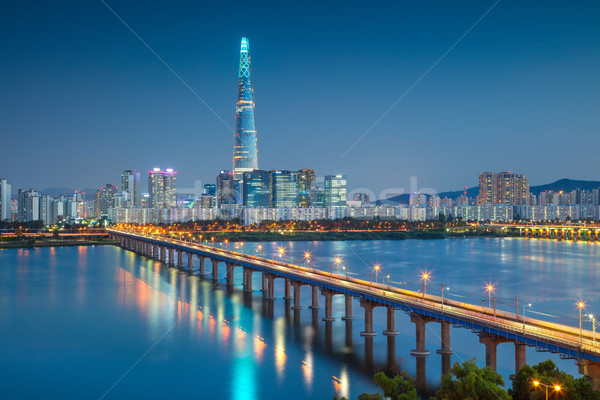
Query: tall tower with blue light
{"type": "Point", "coordinates": [245, 152]}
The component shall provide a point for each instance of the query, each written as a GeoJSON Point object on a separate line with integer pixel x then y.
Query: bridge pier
{"type": "Point", "coordinates": [348, 304]}
{"type": "Point", "coordinates": [328, 304]}
{"type": "Point", "coordinates": [180, 259]}
{"type": "Point", "coordinates": [201, 267]}
{"type": "Point", "coordinates": [155, 254]}
{"type": "Point", "coordinates": [229, 266]}
{"type": "Point", "coordinates": [163, 254]}
{"type": "Point", "coordinates": [445, 351]}
{"type": "Point", "coordinates": [491, 351]}
{"type": "Point", "coordinates": [591, 370]}
{"type": "Point", "coordinates": [520, 356]}
{"type": "Point", "coordinates": [190, 264]}
{"type": "Point", "coordinates": [368, 306]}
{"type": "Point", "coordinates": [391, 322]}
{"type": "Point", "coordinates": [297, 286]}
{"type": "Point", "coordinates": [315, 298]}
{"type": "Point", "coordinates": [287, 295]}
{"type": "Point", "coordinates": [247, 279]}
{"type": "Point", "coordinates": [215, 269]}
{"type": "Point", "coordinates": [419, 322]}
{"type": "Point", "coordinates": [271, 285]}
{"type": "Point", "coordinates": [265, 283]}
{"type": "Point", "coordinates": [171, 256]}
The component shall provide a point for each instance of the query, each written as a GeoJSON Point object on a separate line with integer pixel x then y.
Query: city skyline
{"type": "Point", "coordinates": [507, 99]}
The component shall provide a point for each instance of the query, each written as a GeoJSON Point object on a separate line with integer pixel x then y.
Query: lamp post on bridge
{"type": "Point", "coordinates": [490, 288]}
{"type": "Point", "coordinates": [580, 305]}
{"type": "Point", "coordinates": [593, 319]}
{"type": "Point", "coordinates": [425, 276]}
{"type": "Point", "coordinates": [337, 261]}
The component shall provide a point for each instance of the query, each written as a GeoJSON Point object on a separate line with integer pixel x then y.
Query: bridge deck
{"type": "Point", "coordinates": [545, 336]}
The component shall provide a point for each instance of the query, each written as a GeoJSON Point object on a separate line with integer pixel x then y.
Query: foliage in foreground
{"type": "Point", "coordinates": [466, 381]}
{"type": "Point", "coordinates": [399, 387]}
{"type": "Point", "coordinates": [547, 373]}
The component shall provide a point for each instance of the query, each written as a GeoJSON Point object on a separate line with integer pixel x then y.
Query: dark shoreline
{"type": "Point", "coordinates": [66, 243]}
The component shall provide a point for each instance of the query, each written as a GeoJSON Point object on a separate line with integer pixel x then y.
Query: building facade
{"type": "Point", "coordinates": [335, 191]}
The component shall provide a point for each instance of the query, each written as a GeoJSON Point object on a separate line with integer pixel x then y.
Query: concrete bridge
{"type": "Point", "coordinates": [493, 326]}
{"type": "Point", "coordinates": [560, 232]}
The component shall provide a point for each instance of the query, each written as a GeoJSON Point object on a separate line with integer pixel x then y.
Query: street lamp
{"type": "Point", "coordinates": [376, 268]}
{"type": "Point", "coordinates": [525, 305]}
{"type": "Point", "coordinates": [556, 388]}
{"type": "Point", "coordinates": [337, 261]}
{"type": "Point", "coordinates": [281, 252]}
{"type": "Point", "coordinates": [425, 276]}
{"type": "Point", "coordinates": [580, 305]}
{"type": "Point", "coordinates": [593, 319]}
{"type": "Point", "coordinates": [307, 258]}
{"type": "Point", "coordinates": [227, 244]}
{"type": "Point", "coordinates": [260, 249]}
{"type": "Point", "coordinates": [388, 276]}
{"type": "Point", "coordinates": [490, 288]}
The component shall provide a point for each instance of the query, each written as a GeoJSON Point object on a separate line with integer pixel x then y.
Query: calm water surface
{"type": "Point", "coordinates": [88, 322]}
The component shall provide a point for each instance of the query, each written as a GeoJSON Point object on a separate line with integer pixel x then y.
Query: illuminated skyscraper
{"type": "Point", "coordinates": [130, 188]}
{"type": "Point", "coordinates": [245, 152]}
{"type": "Point", "coordinates": [162, 185]}
{"type": "Point", "coordinates": [307, 185]}
{"type": "Point", "coordinates": [335, 191]}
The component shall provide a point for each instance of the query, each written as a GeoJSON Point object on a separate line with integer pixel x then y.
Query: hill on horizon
{"type": "Point", "coordinates": [565, 184]}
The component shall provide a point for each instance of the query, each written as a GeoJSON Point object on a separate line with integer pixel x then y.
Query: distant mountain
{"type": "Point", "coordinates": [566, 185]}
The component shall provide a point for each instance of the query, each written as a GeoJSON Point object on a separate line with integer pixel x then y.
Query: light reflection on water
{"type": "Point", "coordinates": [234, 345]}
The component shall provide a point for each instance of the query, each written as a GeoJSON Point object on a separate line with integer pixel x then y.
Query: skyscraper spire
{"type": "Point", "coordinates": [245, 152]}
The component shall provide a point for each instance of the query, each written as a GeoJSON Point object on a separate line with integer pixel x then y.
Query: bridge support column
{"type": "Point", "coordinates": [296, 305]}
{"type": "Point", "coordinates": [591, 370]}
{"type": "Point", "coordinates": [171, 256]}
{"type": "Point", "coordinates": [190, 261]}
{"type": "Point", "coordinates": [419, 321]}
{"type": "Point", "coordinates": [215, 269]}
{"type": "Point", "coordinates": [265, 283]}
{"type": "Point", "coordinates": [163, 254]}
{"type": "Point", "coordinates": [491, 351]}
{"type": "Point", "coordinates": [348, 305]}
{"type": "Point", "coordinates": [368, 306]}
{"type": "Point", "coordinates": [229, 273]}
{"type": "Point", "coordinates": [287, 295]}
{"type": "Point", "coordinates": [247, 274]}
{"type": "Point", "coordinates": [315, 298]}
{"type": "Point", "coordinates": [520, 356]}
{"type": "Point", "coordinates": [445, 351]}
{"type": "Point", "coordinates": [391, 322]}
{"type": "Point", "coordinates": [328, 305]}
{"type": "Point", "coordinates": [271, 287]}
{"type": "Point", "coordinates": [179, 259]}
{"type": "Point", "coordinates": [201, 265]}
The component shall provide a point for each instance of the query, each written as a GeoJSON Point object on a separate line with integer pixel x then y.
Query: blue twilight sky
{"type": "Point", "coordinates": [81, 98]}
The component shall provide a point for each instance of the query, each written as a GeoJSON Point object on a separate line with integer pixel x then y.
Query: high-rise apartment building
{"type": "Point", "coordinates": [224, 189]}
{"type": "Point", "coordinates": [257, 189]}
{"type": "Point", "coordinates": [335, 191]}
{"type": "Point", "coordinates": [284, 188]}
{"type": "Point", "coordinates": [503, 188]}
{"type": "Point", "coordinates": [5, 200]}
{"type": "Point", "coordinates": [29, 205]}
{"type": "Point", "coordinates": [245, 152]}
{"type": "Point", "coordinates": [307, 185]}
{"type": "Point", "coordinates": [130, 188]}
{"type": "Point", "coordinates": [105, 199]}
{"type": "Point", "coordinates": [162, 186]}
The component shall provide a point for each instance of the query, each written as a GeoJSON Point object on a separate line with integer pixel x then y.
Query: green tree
{"type": "Point", "coordinates": [547, 373]}
{"type": "Point", "coordinates": [466, 381]}
{"type": "Point", "coordinates": [399, 387]}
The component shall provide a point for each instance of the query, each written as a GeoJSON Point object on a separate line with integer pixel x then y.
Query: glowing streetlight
{"type": "Point", "coordinates": [227, 244]}
{"type": "Point", "coordinates": [212, 239]}
{"type": "Point", "coordinates": [556, 387]}
{"type": "Point", "coordinates": [337, 261]}
{"type": "Point", "coordinates": [260, 249]}
{"type": "Point", "coordinates": [376, 269]}
{"type": "Point", "coordinates": [490, 288]}
{"type": "Point", "coordinates": [593, 319]}
{"type": "Point", "coordinates": [580, 305]}
{"type": "Point", "coordinates": [307, 259]}
{"type": "Point", "coordinates": [281, 252]}
{"type": "Point", "coordinates": [425, 276]}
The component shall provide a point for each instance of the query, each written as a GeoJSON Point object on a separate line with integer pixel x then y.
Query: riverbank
{"type": "Point", "coordinates": [342, 235]}
{"type": "Point", "coordinates": [28, 244]}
